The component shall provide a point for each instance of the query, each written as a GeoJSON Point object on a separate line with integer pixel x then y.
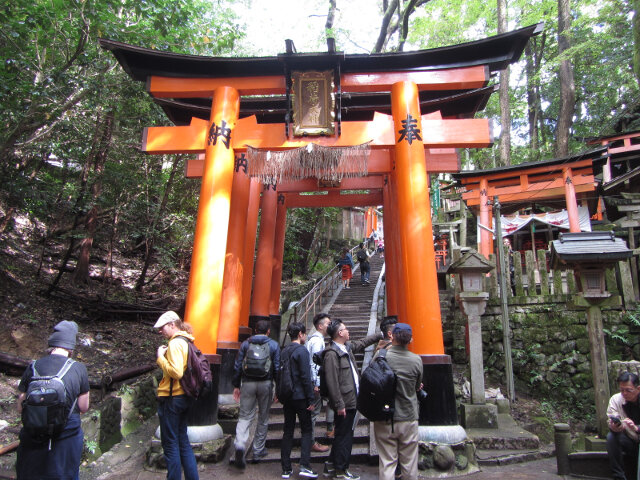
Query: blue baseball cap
{"type": "Point", "coordinates": [402, 327]}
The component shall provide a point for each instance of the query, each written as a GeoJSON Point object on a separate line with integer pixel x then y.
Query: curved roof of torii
{"type": "Point", "coordinates": [496, 53]}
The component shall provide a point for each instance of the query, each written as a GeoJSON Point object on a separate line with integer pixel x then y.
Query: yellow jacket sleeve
{"type": "Point", "coordinates": [173, 365]}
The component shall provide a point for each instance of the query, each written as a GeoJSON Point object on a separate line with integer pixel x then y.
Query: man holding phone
{"type": "Point", "coordinates": [624, 423]}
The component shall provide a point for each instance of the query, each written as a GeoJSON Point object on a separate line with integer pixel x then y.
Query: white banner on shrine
{"type": "Point", "coordinates": [513, 223]}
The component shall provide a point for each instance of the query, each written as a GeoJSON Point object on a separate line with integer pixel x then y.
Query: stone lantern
{"type": "Point", "coordinates": [472, 268]}
{"type": "Point", "coordinates": [589, 254]}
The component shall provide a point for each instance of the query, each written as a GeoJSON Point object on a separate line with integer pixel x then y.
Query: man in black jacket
{"type": "Point", "coordinates": [301, 403]}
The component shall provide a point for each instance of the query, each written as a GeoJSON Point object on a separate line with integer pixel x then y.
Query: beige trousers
{"type": "Point", "coordinates": [397, 447]}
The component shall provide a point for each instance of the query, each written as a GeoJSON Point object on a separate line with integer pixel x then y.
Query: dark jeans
{"type": "Point", "coordinates": [619, 445]}
{"type": "Point", "coordinates": [291, 409]}
{"type": "Point", "coordinates": [172, 412]}
{"type": "Point", "coordinates": [343, 440]}
{"type": "Point", "coordinates": [35, 461]}
{"type": "Point", "coordinates": [365, 271]}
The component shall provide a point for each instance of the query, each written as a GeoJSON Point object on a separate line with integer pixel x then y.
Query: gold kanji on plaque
{"type": "Point", "coordinates": [313, 103]}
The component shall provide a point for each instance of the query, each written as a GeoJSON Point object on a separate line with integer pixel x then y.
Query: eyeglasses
{"type": "Point", "coordinates": [628, 390]}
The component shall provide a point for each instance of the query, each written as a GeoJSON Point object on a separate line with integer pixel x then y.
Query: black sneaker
{"type": "Point", "coordinates": [287, 473]}
{"type": "Point", "coordinates": [328, 469]}
{"type": "Point", "coordinates": [239, 461]}
{"type": "Point", "coordinates": [307, 472]}
{"type": "Point", "coordinates": [346, 474]}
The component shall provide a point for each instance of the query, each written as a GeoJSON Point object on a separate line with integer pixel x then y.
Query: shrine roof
{"type": "Point", "coordinates": [496, 52]}
{"type": "Point", "coordinates": [613, 136]}
{"type": "Point", "coordinates": [599, 247]}
{"type": "Point", "coordinates": [593, 154]}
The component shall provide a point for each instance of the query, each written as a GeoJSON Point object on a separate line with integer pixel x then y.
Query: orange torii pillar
{"type": "Point", "coordinates": [231, 303]}
{"type": "Point", "coordinates": [391, 283]}
{"type": "Point", "coordinates": [486, 237]}
{"type": "Point", "coordinates": [416, 236]}
{"type": "Point", "coordinates": [202, 309]}
{"type": "Point", "coordinates": [396, 250]}
{"type": "Point", "coordinates": [248, 256]}
{"type": "Point", "coordinates": [570, 199]}
{"type": "Point", "coordinates": [264, 257]}
{"type": "Point", "coordinates": [276, 275]}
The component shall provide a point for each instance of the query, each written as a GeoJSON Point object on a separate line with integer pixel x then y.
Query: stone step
{"type": "Point", "coordinates": [359, 454]}
{"type": "Point", "coordinates": [508, 457]}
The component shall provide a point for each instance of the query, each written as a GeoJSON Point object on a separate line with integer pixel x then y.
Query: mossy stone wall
{"type": "Point", "coordinates": [549, 343]}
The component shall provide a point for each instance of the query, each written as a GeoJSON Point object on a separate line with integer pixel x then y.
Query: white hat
{"type": "Point", "coordinates": [165, 318]}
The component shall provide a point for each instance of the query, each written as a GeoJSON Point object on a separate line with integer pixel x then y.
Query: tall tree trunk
{"type": "Point", "coordinates": [150, 239]}
{"type": "Point", "coordinates": [567, 85]}
{"type": "Point", "coordinates": [107, 272]}
{"type": "Point", "coordinates": [77, 207]}
{"type": "Point", "coordinates": [636, 39]}
{"type": "Point", "coordinates": [505, 109]}
{"type": "Point", "coordinates": [81, 274]}
{"type": "Point", "coordinates": [532, 110]}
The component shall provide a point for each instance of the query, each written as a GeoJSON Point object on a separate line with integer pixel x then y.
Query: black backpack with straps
{"type": "Point", "coordinates": [45, 412]}
{"type": "Point", "coordinates": [284, 378]}
{"type": "Point", "coordinates": [376, 396]}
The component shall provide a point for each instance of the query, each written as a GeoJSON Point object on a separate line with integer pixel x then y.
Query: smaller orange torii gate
{"type": "Point", "coordinates": [560, 183]}
{"type": "Point", "coordinates": [385, 120]}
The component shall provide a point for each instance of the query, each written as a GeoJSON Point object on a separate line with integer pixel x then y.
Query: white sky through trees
{"type": "Point", "coordinates": [270, 22]}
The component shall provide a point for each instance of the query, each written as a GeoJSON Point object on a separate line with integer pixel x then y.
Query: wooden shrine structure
{"type": "Point", "coordinates": [562, 183]}
{"type": "Point", "coordinates": [318, 129]}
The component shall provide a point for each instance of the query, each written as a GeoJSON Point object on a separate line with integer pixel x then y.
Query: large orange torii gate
{"type": "Point", "coordinates": [379, 103]}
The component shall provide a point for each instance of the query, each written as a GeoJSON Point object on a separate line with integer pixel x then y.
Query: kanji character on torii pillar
{"type": "Point", "coordinates": [365, 146]}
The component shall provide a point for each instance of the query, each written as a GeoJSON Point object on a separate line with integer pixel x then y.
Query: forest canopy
{"type": "Point", "coordinates": [72, 119]}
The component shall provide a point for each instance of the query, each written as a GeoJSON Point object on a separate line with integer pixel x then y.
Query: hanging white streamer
{"type": "Point", "coordinates": [311, 161]}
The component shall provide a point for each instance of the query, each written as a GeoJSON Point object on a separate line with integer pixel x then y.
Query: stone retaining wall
{"type": "Point", "coordinates": [119, 414]}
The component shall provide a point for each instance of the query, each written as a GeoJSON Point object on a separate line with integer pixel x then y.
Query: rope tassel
{"type": "Point", "coordinates": [325, 163]}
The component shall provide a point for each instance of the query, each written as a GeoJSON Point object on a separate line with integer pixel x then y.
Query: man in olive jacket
{"type": "Point", "coordinates": [343, 380]}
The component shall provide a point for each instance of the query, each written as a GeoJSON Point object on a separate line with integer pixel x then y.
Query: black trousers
{"type": "Point", "coordinates": [343, 440]}
{"type": "Point", "coordinates": [291, 409]}
{"type": "Point", "coordinates": [619, 447]}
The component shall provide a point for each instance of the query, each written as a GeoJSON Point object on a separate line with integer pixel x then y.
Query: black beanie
{"type": "Point", "coordinates": [64, 335]}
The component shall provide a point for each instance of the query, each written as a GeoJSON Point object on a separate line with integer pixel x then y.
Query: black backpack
{"type": "Point", "coordinates": [197, 379]}
{"type": "Point", "coordinates": [318, 359]}
{"type": "Point", "coordinates": [257, 360]}
{"type": "Point", "coordinates": [361, 256]}
{"type": "Point", "coordinates": [376, 398]}
{"type": "Point", "coordinates": [284, 379]}
{"type": "Point", "coordinates": [45, 412]}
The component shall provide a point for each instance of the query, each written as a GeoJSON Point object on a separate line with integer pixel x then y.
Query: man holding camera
{"type": "Point", "coordinates": [397, 440]}
{"type": "Point", "coordinates": [624, 418]}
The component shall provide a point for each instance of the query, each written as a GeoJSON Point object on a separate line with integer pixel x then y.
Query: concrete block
{"type": "Point", "coordinates": [479, 416]}
{"type": "Point", "coordinates": [503, 405]}
{"type": "Point", "coordinates": [595, 444]}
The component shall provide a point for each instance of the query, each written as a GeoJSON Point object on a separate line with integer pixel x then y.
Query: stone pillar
{"type": "Point", "coordinates": [598, 367]}
{"type": "Point", "coordinates": [473, 305]}
{"type": "Point", "coordinates": [210, 241]}
{"type": "Point", "coordinates": [562, 440]}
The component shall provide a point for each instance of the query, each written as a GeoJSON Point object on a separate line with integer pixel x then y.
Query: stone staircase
{"type": "Point", "coordinates": [353, 307]}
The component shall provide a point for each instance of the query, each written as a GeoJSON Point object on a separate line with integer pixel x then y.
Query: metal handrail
{"type": "Point", "coordinates": [315, 300]}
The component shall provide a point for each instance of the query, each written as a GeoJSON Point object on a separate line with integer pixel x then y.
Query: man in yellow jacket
{"type": "Point", "coordinates": [173, 404]}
